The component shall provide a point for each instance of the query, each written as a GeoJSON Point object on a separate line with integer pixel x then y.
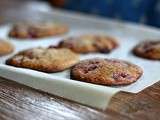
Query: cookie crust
{"type": "Point", "coordinates": [89, 44]}
{"type": "Point", "coordinates": [37, 30]}
{"type": "Point", "coordinates": [5, 48]}
{"type": "Point", "coordinates": [148, 50]}
{"type": "Point", "coordinates": [44, 59]}
{"type": "Point", "coordinates": [109, 72]}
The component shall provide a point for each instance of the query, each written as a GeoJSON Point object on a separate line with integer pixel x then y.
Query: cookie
{"type": "Point", "coordinates": [89, 43]}
{"type": "Point", "coordinates": [44, 59]}
{"type": "Point", "coordinates": [106, 72]}
{"type": "Point", "coordinates": [5, 48]}
{"type": "Point", "coordinates": [148, 49]}
{"type": "Point", "coordinates": [37, 30]}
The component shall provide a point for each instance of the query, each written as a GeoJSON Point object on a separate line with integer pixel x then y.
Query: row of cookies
{"type": "Point", "coordinates": [97, 71]}
{"type": "Point", "coordinates": [96, 43]}
{"type": "Point", "coordinates": [65, 55]}
{"type": "Point", "coordinates": [81, 44]}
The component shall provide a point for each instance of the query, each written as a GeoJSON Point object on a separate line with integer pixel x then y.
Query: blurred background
{"type": "Point", "coordinates": [139, 11]}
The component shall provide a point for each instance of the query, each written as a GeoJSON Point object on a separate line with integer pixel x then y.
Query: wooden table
{"type": "Point", "coordinates": [19, 102]}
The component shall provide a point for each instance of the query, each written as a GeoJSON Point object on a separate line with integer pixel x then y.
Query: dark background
{"type": "Point", "coordinates": [140, 11]}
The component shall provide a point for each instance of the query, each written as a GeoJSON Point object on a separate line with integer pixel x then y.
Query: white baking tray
{"type": "Point", "coordinates": [128, 35]}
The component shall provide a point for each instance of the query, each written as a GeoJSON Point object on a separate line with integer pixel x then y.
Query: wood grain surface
{"type": "Point", "coordinates": [19, 102]}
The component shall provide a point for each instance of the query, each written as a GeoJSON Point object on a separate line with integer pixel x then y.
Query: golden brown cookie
{"type": "Point", "coordinates": [5, 48]}
{"type": "Point", "coordinates": [106, 72]}
{"type": "Point", "coordinates": [37, 30]}
{"type": "Point", "coordinates": [148, 49]}
{"type": "Point", "coordinates": [89, 43]}
{"type": "Point", "coordinates": [44, 59]}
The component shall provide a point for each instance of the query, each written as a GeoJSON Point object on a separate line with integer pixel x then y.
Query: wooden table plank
{"type": "Point", "coordinates": [21, 102]}
{"type": "Point", "coordinates": [145, 100]}
{"type": "Point", "coordinates": [24, 103]}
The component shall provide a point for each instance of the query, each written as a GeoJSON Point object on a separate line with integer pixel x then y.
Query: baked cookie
{"type": "Point", "coordinates": [148, 49]}
{"type": "Point", "coordinates": [44, 59]}
{"type": "Point", "coordinates": [5, 47]}
{"type": "Point", "coordinates": [89, 43]}
{"type": "Point", "coordinates": [37, 30]}
{"type": "Point", "coordinates": [106, 72]}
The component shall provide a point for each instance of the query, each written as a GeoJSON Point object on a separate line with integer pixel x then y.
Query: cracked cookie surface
{"type": "Point", "coordinates": [106, 72]}
{"type": "Point", "coordinates": [148, 50]}
{"type": "Point", "coordinates": [44, 59]}
{"type": "Point", "coordinates": [89, 43]}
{"type": "Point", "coordinates": [37, 30]}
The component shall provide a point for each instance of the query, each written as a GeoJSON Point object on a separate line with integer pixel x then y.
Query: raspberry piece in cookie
{"type": "Point", "coordinates": [106, 72]}
{"type": "Point", "coordinates": [44, 59]}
